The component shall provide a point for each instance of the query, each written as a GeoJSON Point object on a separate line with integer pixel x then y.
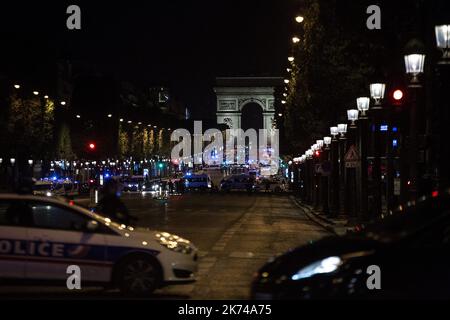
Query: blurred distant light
{"type": "Point", "coordinates": [17, 86]}
{"type": "Point", "coordinates": [299, 19]}
{"type": "Point", "coordinates": [394, 143]}
{"type": "Point", "coordinates": [35, 93]}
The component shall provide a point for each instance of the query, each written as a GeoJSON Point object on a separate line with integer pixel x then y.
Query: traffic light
{"type": "Point", "coordinates": [92, 146]}
{"type": "Point", "coordinates": [160, 165]}
{"type": "Point", "coordinates": [397, 96]}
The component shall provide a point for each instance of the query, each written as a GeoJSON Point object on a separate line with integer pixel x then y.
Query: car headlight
{"type": "Point", "coordinates": [174, 243]}
{"type": "Point", "coordinates": [326, 265]}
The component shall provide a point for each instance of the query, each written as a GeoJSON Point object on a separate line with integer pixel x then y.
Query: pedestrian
{"type": "Point", "coordinates": [111, 206]}
{"type": "Point", "coordinates": [170, 186]}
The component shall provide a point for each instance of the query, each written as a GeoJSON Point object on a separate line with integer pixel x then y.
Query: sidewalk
{"type": "Point", "coordinates": [338, 226]}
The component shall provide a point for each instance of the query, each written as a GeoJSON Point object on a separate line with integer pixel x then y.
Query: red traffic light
{"type": "Point", "coordinates": [91, 146]}
{"type": "Point", "coordinates": [397, 95]}
{"type": "Point", "coordinates": [317, 153]}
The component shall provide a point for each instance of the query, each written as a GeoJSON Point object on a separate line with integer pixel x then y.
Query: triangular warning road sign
{"type": "Point", "coordinates": [352, 154]}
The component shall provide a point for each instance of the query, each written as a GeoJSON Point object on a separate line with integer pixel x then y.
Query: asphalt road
{"type": "Point", "coordinates": [235, 234]}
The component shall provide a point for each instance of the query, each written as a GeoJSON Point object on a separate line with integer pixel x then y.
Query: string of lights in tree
{"type": "Point", "coordinates": [130, 122]}
{"type": "Point", "coordinates": [37, 93]}
{"type": "Point", "coordinates": [109, 115]}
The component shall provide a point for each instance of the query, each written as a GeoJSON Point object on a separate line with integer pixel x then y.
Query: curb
{"type": "Point", "coordinates": [314, 218]}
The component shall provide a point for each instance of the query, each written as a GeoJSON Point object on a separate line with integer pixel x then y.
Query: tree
{"type": "Point", "coordinates": [123, 143]}
{"type": "Point", "coordinates": [332, 67]}
{"type": "Point", "coordinates": [64, 144]}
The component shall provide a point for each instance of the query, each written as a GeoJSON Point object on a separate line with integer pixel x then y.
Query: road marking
{"type": "Point", "coordinates": [240, 254]}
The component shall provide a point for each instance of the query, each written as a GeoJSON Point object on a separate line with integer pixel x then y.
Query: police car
{"type": "Point", "coordinates": [41, 237]}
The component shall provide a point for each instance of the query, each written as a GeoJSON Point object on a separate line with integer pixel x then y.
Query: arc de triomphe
{"type": "Point", "coordinates": [233, 93]}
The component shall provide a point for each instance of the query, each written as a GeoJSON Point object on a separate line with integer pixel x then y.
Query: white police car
{"type": "Point", "coordinates": [40, 237]}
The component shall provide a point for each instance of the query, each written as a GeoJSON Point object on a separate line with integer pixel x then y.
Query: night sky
{"type": "Point", "coordinates": [182, 44]}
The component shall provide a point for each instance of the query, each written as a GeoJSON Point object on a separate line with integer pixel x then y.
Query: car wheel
{"type": "Point", "coordinates": [138, 275]}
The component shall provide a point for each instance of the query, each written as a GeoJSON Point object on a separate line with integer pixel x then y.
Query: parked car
{"type": "Point", "coordinates": [238, 182]}
{"type": "Point", "coordinates": [272, 185]}
{"type": "Point", "coordinates": [41, 236]}
{"type": "Point", "coordinates": [197, 182]}
{"type": "Point", "coordinates": [43, 188]}
{"type": "Point", "coordinates": [66, 187]}
{"type": "Point", "coordinates": [410, 248]}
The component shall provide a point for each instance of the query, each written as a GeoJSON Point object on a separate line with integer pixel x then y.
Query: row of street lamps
{"type": "Point", "coordinates": [333, 172]}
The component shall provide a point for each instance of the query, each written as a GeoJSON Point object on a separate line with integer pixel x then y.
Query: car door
{"type": "Point", "coordinates": [13, 239]}
{"type": "Point", "coordinates": [60, 238]}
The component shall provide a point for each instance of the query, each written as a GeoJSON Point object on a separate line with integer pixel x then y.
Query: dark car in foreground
{"type": "Point", "coordinates": [410, 248]}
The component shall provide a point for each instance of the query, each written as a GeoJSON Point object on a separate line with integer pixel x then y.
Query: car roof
{"type": "Point", "coordinates": [29, 197]}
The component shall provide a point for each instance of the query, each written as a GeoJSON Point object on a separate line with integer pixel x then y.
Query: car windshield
{"type": "Point", "coordinates": [40, 187]}
{"type": "Point", "coordinates": [196, 179]}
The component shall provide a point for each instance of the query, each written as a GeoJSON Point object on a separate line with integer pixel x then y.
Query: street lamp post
{"type": "Point", "coordinates": [352, 186]}
{"type": "Point", "coordinates": [443, 80]}
{"type": "Point", "coordinates": [334, 203]}
{"type": "Point", "coordinates": [414, 63]}
{"type": "Point", "coordinates": [326, 175]}
{"type": "Point", "coordinates": [342, 129]}
{"type": "Point", "coordinates": [363, 106]}
{"type": "Point", "coordinates": [377, 94]}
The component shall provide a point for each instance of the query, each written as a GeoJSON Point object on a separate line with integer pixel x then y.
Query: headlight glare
{"type": "Point", "coordinates": [326, 265]}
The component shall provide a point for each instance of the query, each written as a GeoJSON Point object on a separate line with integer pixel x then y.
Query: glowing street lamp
{"type": "Point", "coordinates": [352, 116]}
{"type": "Point", "coordinates": [63, 103]}
{"type": "Point", "coordinates": [35, 93]}
{"type": "Point", "coordinates": [334, 131]}
{"type": "Point", "coordinates": [12, 160]}
{"type": "Point", "coordinates": [377, 93]}
{"type": "Point", "coordinates": [30, 162]}
{"type": "Point", "coordinates": [342, 129]}
{"type": "Point", "coordinates": [295, 39]}
{"type": "Point", "coordinates": [319, 144]}
{"type": "Point", "coordinates": [443, 39]}
{"type": "Point", "coordinates": [363, 105]}
{"type": "Point", "coordinates": [17, 86]}
{"type": "Point", "coordinates": [327, 142]}
{"type": "Point", "coordinates": [414, 64]}
{"type": "Point", "coordinates": [290, 58]}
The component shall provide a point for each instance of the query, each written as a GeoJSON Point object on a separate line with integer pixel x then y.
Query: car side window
{"type": "Point", "coordinates": [49, 216]}
{"type": "Point", "coordinates": [7, 217]}
{"type": "Point", "coordinates": [15, 213]}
